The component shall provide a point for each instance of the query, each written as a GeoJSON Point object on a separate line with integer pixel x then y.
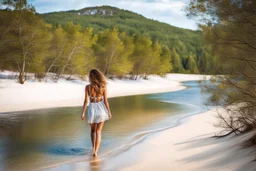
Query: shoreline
{"type": "Point", "coordinates": [126, 147]}
{"type": "Point", "coordinates": [39, 95]}
{"type": "Point", "coordinates": [187, 146]}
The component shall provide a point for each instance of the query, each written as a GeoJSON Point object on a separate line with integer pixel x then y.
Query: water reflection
{"type": "Point", "coordinates": [42, 138]}
{"type": "Point", "coordinates": [95, 164]}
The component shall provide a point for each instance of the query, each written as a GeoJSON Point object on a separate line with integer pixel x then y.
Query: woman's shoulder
{"type": "Point", "coordinates": [87, 86]}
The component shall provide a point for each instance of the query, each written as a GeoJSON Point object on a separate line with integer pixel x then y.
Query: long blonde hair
{"type": "Point", "coordinates": [97, 81]}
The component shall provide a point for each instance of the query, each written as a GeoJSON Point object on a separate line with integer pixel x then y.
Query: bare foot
{"type": "Point", "coordinates": [95, 154]}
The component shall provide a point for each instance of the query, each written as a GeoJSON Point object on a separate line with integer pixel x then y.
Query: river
{"type": "Point", "coordinates": [38, 139]}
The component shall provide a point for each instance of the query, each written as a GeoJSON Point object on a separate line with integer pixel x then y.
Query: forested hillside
{"type": "Point", "coordinates": [187, 43]}
{"type": "Point", "coordinates": [117, 42]}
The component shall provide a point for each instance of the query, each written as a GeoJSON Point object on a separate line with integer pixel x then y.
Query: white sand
{"type": "Point", "coordinates": [188, 147]}
{"type": "Point", "coordinates": [36, 95]}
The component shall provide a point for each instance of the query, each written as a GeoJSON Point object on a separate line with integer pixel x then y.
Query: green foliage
{"type": "Point", "coordinates": [190, 64]}
{"type": "Point", "coordinates": [229, 29]}
{"type": "Point", "coordinates": [25, 38]}
{"type": "Point", "coordinates": [153, 61]}
{"type": "Point", "coordinates": [77, 49]}
{"type": "Point", "coordinates": [110, 53]}
{"type": "Point", "coordinates": [183, 40]}
{"type": "Point", "coordinates": [117, 42]}
{"type": "Point", "coordinates": [141, 54]}
{"type": "Point", "coordinates": [176, 61]}
{"type": "Point", "coordinates": [165, 61]}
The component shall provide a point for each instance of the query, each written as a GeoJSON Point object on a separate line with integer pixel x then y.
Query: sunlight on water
{"type": "Point", "coordinates": [41, 138]}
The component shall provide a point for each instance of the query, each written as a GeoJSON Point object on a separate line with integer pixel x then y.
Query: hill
{"type": "Point", "coordinates": [99, 18]}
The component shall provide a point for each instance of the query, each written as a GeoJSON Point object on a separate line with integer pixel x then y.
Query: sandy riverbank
{"type": "Point", "coordinates": [36, 95]}
{"type": "Point", "coordinates": [188, 147]}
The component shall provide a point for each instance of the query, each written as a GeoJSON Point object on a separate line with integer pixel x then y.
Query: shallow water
{"type": "Point", "coordinates": [43, 138]}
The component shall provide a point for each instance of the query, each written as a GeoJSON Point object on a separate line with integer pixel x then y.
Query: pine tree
{"type": "Point", "coordinates": [166, 61]}
{"type": "Point", "coordinates": [153, 62]}
{"type": "Point", "coordinates": [141, 55]}
{"type": "Point", "coordinates": [176, 62]}
{"type": "Point", "coordinates": [191, 64]}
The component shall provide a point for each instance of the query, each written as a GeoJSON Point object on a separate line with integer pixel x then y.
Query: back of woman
{"type": "Point", "coordinates": [98, 108]}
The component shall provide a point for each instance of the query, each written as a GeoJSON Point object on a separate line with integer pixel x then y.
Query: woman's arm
{"type": "Point", "coordinates": [85, 102]}
{"type": "Point", "coordinates": [105, 94]}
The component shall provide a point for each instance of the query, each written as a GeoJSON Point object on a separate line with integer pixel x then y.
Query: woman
{"type": "Point", "coordinates": [98, 109]}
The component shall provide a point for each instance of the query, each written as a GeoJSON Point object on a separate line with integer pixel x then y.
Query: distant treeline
{"type": "Point", "coordinates": [29, 44]}
{"type": "Point", "coordinates": [187, 45]}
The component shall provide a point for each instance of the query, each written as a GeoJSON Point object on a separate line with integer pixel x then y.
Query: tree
{"type": "Point", "coordinates": [141, 55]}
{"type": "Point", "coordinates": [27, 38]}
{"type": "Point", "coordinates": [154, 61]}
{"type": "Point", "coordinates": [110, 52]}
{"type": "Point", "coordinates": [77, 51]}
{"type": "Point", "coordinates": [180, 48]}
{"type": "Point", "coordinates": [191, 64]}
{"type": "Point", "coordinates": [176, 62]}
{"type": "Point", "coordinates": [230, 29]}
{"type": "Point", "coordinates": [125, 65]}
{"type": "Point", "coordinates": [56, 49]}
{"type": "Point", "coordinates": [5, 27]}
{"type": "Point", "coordinates": [6, 23]}
{"type": "Point", "coordinates": [166, 61]}
{"type": "Point", "coordinates": [183, 40]}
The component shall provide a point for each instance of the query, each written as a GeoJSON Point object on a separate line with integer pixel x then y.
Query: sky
{"type": "Point", "coordinates": [168, 11]}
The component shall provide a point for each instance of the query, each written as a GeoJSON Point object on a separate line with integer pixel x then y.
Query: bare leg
{"type": "Point", "coordinates": [93, 136]}
{"type": "Point", "coordinates": [98, 137]}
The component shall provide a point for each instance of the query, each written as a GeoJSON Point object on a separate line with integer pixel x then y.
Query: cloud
{"type": "Point", "coordinates": [43, 6]}
{"type": "Point", "coordinates": [169, 11]}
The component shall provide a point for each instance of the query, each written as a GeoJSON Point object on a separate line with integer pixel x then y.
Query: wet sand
{"type": "Point", "coordinates": [187, 147]}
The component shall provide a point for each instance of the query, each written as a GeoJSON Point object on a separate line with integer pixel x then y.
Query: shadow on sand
{"type": "Point", "coordinates": [222, 152]}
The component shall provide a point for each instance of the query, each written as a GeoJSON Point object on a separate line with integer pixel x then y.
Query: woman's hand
{"type": "Point", "coordinates": [82, 117]}
{"type": "Point", "coordinates": [109, 116]}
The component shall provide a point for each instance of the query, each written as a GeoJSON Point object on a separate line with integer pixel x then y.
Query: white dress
{"type": "Point", "coordinates": [97, 111]}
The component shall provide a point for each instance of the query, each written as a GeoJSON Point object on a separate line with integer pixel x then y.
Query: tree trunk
{"type": "Point", "coordinates": [64, 67]}
{"type": "Point", "coordinates": [72, 72]}
{"type": "Point", "coordinates": [108, 63]}
{"type": "Point", "coordinates": [21, 78]}
{"type": "Point", "coordinates": [145, 77]}
{"type": "Point", "coordinates": [136, 76]}
{"type": "Point", "coordinates": [48, 70]}
{"type": "Point", "coordinates": [22, 73]}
